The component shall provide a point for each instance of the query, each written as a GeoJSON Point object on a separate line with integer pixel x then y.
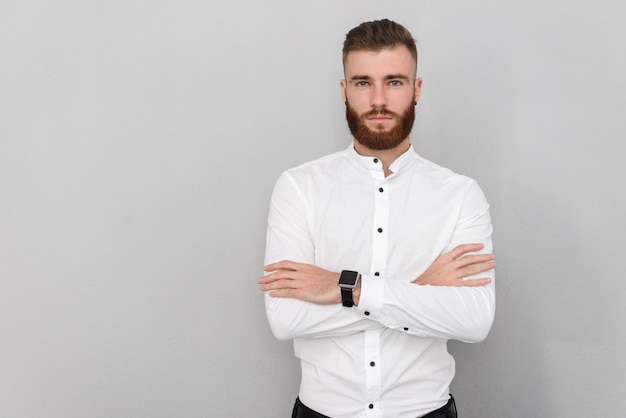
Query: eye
{"type": "Point", "coordinates": [395, 83]}
{"type": "Point", "coordinates": [361, 84]}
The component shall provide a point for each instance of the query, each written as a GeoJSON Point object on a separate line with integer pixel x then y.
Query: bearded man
{"type": "Point", "coordinates": [375, 256]}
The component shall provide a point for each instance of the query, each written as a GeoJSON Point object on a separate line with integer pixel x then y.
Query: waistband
{"type": "Point", "coordinates": [300, 410]}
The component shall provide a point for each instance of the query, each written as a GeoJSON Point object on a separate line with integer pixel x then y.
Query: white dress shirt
{"type": "Point", "coordinates": [386, 357]}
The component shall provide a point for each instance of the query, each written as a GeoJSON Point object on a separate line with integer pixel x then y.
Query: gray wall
{"type": "Point", "coordinates": [139, 143]}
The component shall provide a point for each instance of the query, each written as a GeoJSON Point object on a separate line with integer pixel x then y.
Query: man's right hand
{"type": "Point", "coordinates": [451, 268]}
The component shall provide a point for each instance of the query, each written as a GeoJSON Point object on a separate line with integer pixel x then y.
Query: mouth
{"type": "Point", "coordinates": [379, 119]}
{"type": "Point", "coordinates": [375, 116]}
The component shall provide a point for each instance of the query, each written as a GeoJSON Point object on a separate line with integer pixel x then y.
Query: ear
{"type": "Point", "coordinates": [344, 97]}
{"type": "Point", "coordinates": [418, 88]}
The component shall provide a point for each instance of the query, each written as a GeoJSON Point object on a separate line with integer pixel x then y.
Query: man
{"type": "Point", "coordinates": [375, 256]}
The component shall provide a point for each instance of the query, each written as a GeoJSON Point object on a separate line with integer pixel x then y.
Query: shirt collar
{"type": "Point", "coordinates": [374, 166]}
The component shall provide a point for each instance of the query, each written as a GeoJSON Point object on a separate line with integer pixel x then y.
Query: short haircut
{"type": "Point", "coordinates": [378, 35]}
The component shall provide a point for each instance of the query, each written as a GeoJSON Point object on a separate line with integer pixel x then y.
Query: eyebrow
{"type": "Point", "coordinates": [387, 77]}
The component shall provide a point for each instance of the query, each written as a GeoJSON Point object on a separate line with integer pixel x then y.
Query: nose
{"type": "Point", "coordinates": [378, 97]}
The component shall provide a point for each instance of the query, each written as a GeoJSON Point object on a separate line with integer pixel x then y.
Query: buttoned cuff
{"type": "Point", "coordinates": [372, 295]}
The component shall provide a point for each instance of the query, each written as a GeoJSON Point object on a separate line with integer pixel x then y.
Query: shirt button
{"type": "Point", "coordinates": [406, 329]}
{"type": "Point", "coordinates": [381, 189]}
{"type": "Point", "coordinates": [371, 406]}
{"type": "Point", "coordinates": [366, 313]}
{"type": "Point", "coordinates": [380, 230]}
{"type": "Point", "coordinates": [375, 160]}
{"type": "Point", "coordinates": [372, 364]}
{"type": "Point", "coordinates": [377, 274]}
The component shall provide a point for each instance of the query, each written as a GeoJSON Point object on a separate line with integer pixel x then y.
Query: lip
{"type": "Point", "coordinates": [379, 119]}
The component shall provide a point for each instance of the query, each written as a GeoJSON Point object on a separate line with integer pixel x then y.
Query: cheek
{"type": "Point", "coordinates": [401, 102]}
{"type": "Point", "coordinates": [358, 102]}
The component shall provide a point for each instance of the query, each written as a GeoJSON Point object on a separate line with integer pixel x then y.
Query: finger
{"type": "Point", "coordinates": [283, 293]}
{"type": "Point", "coordinates": [459, 250]}
{"type": "Point", "coordinates": [467, 260]}
{"type": "Point", "coordinates": [283, 265]}
{"type": "Point", "coordinates": [472, 282]}
{"type": "Point", "coordinates": [279, 285]}
{"type": "Point", "coordinates": [474, 269]}
{"type": "Point", "coordinates": [271, 277]}
{"type": "Point", "coordinates": [278, 275]}
{"type": "Point", "coordinates": [266, 279]}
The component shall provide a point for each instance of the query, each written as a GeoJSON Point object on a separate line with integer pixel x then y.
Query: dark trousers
{"type": "Point", "coordinates": [300, 410]}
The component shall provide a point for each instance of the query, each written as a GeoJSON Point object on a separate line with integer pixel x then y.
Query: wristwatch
{"type": "Point", "coordinates": [347, 282]}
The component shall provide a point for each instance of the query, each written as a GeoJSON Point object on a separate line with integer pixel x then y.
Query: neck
{"type": "Point", "coordinates": [386, 156]}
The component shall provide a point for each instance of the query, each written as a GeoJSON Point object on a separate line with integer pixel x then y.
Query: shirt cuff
{"type": "Point", "coordinates": [372, 295]}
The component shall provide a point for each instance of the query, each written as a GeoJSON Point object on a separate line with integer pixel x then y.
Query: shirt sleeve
{"type": "Point", "coordinates": [288, 238]}
{"type": "Point", "coordinates": [461, 313]}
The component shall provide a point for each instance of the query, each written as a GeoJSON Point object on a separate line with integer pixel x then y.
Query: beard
{"type": "Point", "coordinates": [379, 139]}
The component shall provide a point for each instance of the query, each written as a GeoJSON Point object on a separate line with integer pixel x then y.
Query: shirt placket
{"type": "Point", "coordinates": [373, 371]}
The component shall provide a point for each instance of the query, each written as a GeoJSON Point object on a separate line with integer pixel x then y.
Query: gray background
{"type": "Point", "coordinates": [139, 143]}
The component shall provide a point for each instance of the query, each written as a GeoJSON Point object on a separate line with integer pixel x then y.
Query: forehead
{"type": "Point", "coordinates": [397, 60]}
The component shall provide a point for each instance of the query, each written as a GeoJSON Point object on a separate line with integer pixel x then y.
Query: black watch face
{"type": "Point", "coordinates": [348, 277]}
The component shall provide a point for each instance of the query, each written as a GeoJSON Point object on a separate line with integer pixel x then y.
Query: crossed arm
{"type": "Point", "coordinates": [289, 280]}
{"type": "Point", "coordinates": [309, 283]}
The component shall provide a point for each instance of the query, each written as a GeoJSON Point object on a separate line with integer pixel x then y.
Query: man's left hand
{"type": "Point", "coordinates": [307, 282]}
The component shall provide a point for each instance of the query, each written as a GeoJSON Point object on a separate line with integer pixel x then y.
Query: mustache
{"type": "Point", "coordinates": [380, 112]}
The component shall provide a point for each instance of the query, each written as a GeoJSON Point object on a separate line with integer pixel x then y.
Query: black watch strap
{"type": "Point", "coordinates": [347, 283]}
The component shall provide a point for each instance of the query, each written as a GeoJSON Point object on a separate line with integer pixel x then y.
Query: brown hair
{"type": "Point", "coordinates": [378, 35]}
